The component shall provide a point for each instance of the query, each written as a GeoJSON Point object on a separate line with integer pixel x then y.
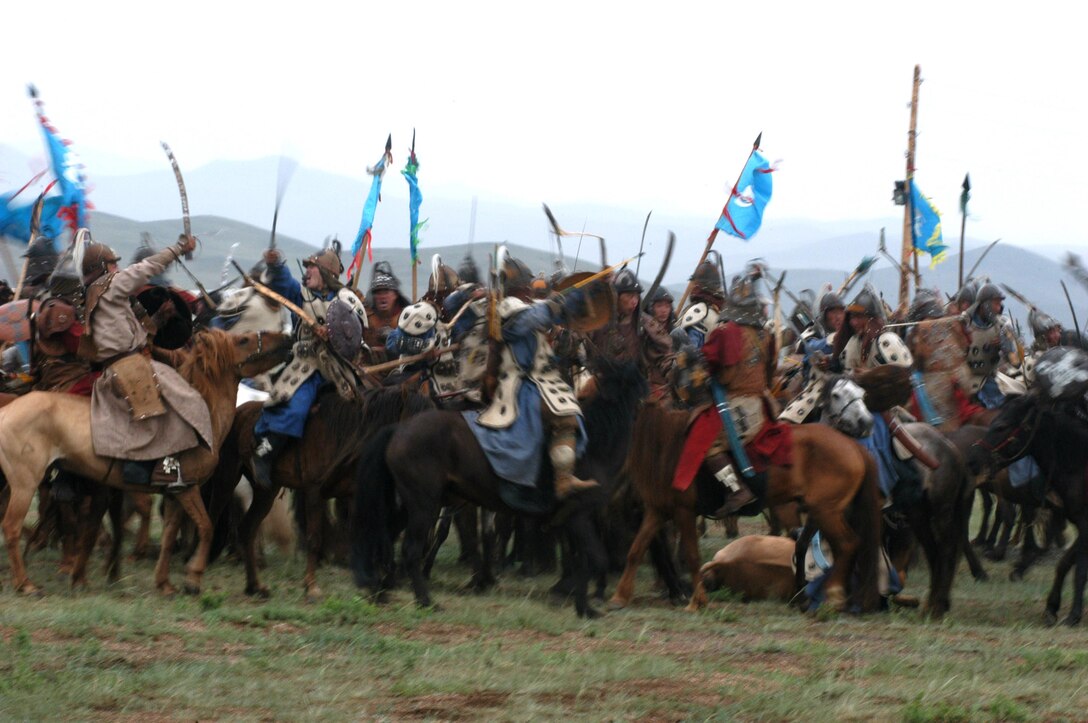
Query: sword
{"type": "Point", "coordinates": [647, 302]}
{"type": "Point", "coordinates": [980, 258]}
{"type": "Point", "coordinates": [184, 196]}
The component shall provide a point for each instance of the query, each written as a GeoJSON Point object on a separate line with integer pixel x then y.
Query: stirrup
{"type": "Point", "coordinates": [736, 501]}
{"type": "Point", "coordinates": [568, 484]}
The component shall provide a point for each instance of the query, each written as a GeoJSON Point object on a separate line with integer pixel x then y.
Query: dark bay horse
{"type": "Point", "coordinates": [832, 478]}
{"type": "Point", "coordinates": [320, 466]}
{"type": "Point", "coordinates": [410, 472]}
{"type": "Point", "coordinates": [1056, 435]}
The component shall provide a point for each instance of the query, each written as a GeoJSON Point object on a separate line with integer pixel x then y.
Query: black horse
{"type": "Point", "coordinates": [409, 472]}
{"type": "Point", "coordinates": [1056, 435]}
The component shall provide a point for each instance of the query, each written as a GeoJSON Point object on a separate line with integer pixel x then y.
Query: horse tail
{"type": "Point", "coordinates": [865, 519]}
{"type": "Point", "coordinates": [372, 530]}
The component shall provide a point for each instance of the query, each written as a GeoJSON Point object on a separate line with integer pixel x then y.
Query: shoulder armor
{"type": "Point", "coordinates": [417, 319]}
{"type": "Point", "coordinates": [700, 317]}
{"type": "Point", "coordinates": [511, 305]}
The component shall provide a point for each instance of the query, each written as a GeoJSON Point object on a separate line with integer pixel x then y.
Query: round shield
{"type": "Point", "coordinates": [885, 387]}
{"type": "Point", "coordinates": [15, 320]}
{"type": "Point", "coordinates": [345, 329]}
{"type": "Point", "coordinates": [1062, 372]}
{"type": "Point", "coordinates": [600, 303]}
{"type": "Point", "coordinates": [175, 331]}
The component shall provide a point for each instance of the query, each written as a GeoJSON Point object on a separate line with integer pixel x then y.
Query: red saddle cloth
{"type": "Point", "coordinates": [772, 446]}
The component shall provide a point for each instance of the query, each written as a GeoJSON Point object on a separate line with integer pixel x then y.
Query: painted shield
{"type": "Point", "coordinates": [15, 320]}
{"type": "Point", "coordinates": [345, 329]}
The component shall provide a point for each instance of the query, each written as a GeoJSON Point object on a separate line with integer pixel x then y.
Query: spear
{"type": "Point", "coordinates": [862, 269]}
{"type": "Point", "coordinates": [643, 241]}
{"type": "Point", "coordinates": [1076, 326]}
{"type": "Point", "coordinates": [283, 177]}
{"type": "Point", "coordinates": [895, 262]}
{"type": "Point", "coordinates": [714, 231]}
{"type": "Point", "coordinates": [964, 198]}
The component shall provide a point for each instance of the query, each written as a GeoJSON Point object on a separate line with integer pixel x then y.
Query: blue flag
{"type": "Point", "coordinates": [363, 238]}
{"type": "Point", "coordinates": [743, 212]}
{"type": "Point", "coordinates": [415, 200]}
{"type": "Point", "coordinates": [925, 228]}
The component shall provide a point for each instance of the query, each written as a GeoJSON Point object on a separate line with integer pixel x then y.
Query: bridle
{"type": "Point", "coordinates": [258, 354]}
{"type": "Point", "coordinates": [995, 451]}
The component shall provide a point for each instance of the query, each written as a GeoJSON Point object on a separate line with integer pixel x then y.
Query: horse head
{"type": "Point", "coordinates": [218, 355]}
{"type": "Point", "coordinates": [844, 404]}
{"type": "Point", "coordinates": [1009, 436]}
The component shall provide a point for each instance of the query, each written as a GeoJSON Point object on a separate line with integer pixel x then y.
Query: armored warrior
{"type": "Point", "coordinates": [992, 343]}
{"type": "Point", "coordinates": [321, 354]}
{"type": "Point", "coordinates": [142, 411]}
{"type": "Point", "coordinates": [661, 309]}
{"type": "Point", "coordinates": [707, 298]}
{"type": "Point", "coordinates": [531, 401]}
{"type": "Point", "coordinates": [741, 356]}
{"type": "Point", "coordinates": [635, 336]}
{"type": "Point", "coordinates": [385, 303]}
{"type": "Point", "coordinates": [817, 352]}
{"type": "Point", "coordinates": [864, 344]}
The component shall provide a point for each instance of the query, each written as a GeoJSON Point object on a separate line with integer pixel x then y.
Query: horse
{"type": "Point", "coordinates": [409, 472]}
{"type": "Point", "coordinates": [832, 477]}
{"type": "Point", "coordinates": [1056, 435]}
{"type": "Point", "coordinates": [42, 428]}
{"type": "Point", "coordinates": [321, 466]}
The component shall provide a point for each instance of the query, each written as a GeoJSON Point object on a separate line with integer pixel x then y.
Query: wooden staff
{"type": "Point", "coordinates": [270, 294]}
{"type": "Point", "coordinates": [393, 364]}
{"type": "Point", "coordinates": [964, 197]}
{"type": "Point", "coordinates": [908, 242]}
{"type": "Point", "coordinates": [714, 231]}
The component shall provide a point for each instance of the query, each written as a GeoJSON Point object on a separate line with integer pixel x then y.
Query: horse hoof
{"type": "Point", "coordinates": [259, 591]}
{"type": "Point", "coordinates": [167, 590]}
{"type": "Point", "coordinates": [1050, 619]}
{"type": "Point", "coordinates": [30, 590]}
{"type": "Point", "coordinates": [994, 555]}
{"type": "Point", "coordinates": [591, 613]}
{"type": "Point", "coordinates": [982, 577]}
{"type": "Point", "coordinates": [906, 601]}
{"type": "Point", "coordinates": [614, 604]}
{"type": "Point", "coordinates": [1071, 621]}
{"type": "Point", "coordinates": [314, 595]}
{"type": "Point", "coordinates": [1016, 576]}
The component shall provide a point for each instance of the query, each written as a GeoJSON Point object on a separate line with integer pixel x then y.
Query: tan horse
{"type": "Point", "coordinates": [41, 428]}
{"type": "Point", "coordinates": [832, 477]}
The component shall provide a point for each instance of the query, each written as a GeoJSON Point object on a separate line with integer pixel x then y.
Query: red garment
{"type": "Point", "coordinates": [772, 446]}
{"type": "Point", "coordinates": [84, 386]}
{"type": "Point", "coordinates": [724, 347]}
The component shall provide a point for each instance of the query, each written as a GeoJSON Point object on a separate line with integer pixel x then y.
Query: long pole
{"type": "Point", "coordinates": [908, 244]}
{"type": "Point", "coordinates": [714, 231]}
{"type": "Point", "coordinates": [963, 219]}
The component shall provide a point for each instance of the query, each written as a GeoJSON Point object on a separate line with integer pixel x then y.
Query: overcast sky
{"type": "Point", "coordinates": [641, 105]}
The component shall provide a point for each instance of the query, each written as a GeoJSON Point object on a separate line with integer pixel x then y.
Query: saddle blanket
{"type": "Point", "coordinates": [772, 446]}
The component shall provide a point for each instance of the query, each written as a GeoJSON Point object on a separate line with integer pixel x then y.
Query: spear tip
{"type": "Point", "coordinates": [389, 143]}
{"type": "Point", "coordinates": [755, 146]}
{"type": "Point", "coordinates": [967, 181]}
{"type": "Point", "coordinates": [32, 90]}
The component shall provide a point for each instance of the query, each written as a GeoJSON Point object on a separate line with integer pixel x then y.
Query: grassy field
{"type": "Point", "coordinates": [122, 653]}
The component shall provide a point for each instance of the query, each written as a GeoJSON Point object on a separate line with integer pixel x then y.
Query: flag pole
{"type": "Point", "coordinates": [908, 243]}
{"type": "Point", "coordinates": [714, 231]}
{"type": "Point", "coordinates": [964, 197]}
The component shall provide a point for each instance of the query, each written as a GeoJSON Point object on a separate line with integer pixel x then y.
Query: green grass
{"type": "Point", "coordinates": [121, 652]}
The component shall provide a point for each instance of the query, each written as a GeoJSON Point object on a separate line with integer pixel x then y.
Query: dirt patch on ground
{"type": "Point", "coordinates": [449, 706]}
{"type": "Point", "coordinates": [453, 634]}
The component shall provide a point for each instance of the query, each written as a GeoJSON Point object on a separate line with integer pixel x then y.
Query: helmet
{"type": "Point", "coordinates": [6, 294]}
{"type": "Point", "coordinates": [661, 294]}
{"type": "Point", "coordinates": [328, 261]}
{"type": "Point", "coordinates": [443, 279]}
{"type": "Point", "coordinates": [707, 279]}
{"type": "Point", "coordinates": [468, 272]}
{"type": "Point", "coordinates": [540, 286]}
{"type": "Point", "coordinates": [96, 259]}
{"type": "Point", "coordinates": [966, 295]}
{"type": "Point", "coordinates": [830, 301]}
{"type": "Point", "coordinates": [626, 282]}
{"type": "Point", "coordinates": [1041, 322]}
{"type": "Point", "coordinates": [516, 275]}
{"type": "Point", "coordinates": [988, 292]}
{"type": "Point", "coordinates": [382, 278]}
{"type": "Point", "coordinates": [41, 257]}
{"type": "Point", "coordinates": [743, 305]}
{"type": "Point", "coordinates": [867, 302]}
{"type": "Point", "coordinates": [926, 305]}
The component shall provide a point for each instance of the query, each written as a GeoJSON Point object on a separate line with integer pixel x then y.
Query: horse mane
{"type": "Point", "coordinates": [349, 424]}
{"type": "Point", "coordinates": [211, 354]}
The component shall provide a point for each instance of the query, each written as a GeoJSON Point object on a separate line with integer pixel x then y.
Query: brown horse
{"type": "Point", "coordinates": [319, 466]}
{"type": "Point", "coordinates": [832, 477]}
{"type": "Point", "coordinates": [43, 428]}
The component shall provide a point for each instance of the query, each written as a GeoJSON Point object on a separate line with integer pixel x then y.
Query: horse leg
{"type": "Point", "coordinates": [684, 517]}
{"type": "Point", "coordinates": [664, 563]}
{"type": "Point", "coordinates": [417, 531]}
{"type": "Point", "coordinates": [844, 549]}
{"type": "Point", "coordinates": [14, 516]}
{"type": "Point", "coordinates": [263, 499]}
{"type": "Point", "coordinates": [800, 552]}
{"type": "Point", "coordinates": [439, 536]}
{"type": "Point", "coordinates": [315, 518]}
{"type": "Point", "coordinates": [1004, 521]}
{"type": "Point", "coordinates": [1029, 548]}
{"type": "Point", "coordinates": [142, 505]}
{"type": "Point", "coordinates": [1054, 599]}
{"type": "Point", "coordinates": [193, 504]}
{"type": "Point", "coordinates": [984, 525]}
{"type": "Point", "coordinates": [486, 577]}
{"type": "Point", "coordinates": [625, 588]}
{"type": "Point", "coordinates": [116, 503]}
{"type": "Point", "coordinates": [1080, 573]}
{"type": "Point", "coordinates": [89, 527]}
{"type": "Point", "coordinates": [171, 523]}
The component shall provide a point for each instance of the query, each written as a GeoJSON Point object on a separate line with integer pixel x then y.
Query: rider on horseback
{"type": "Point", "coordinates": [531, 396]}
{"type": "Point", "coordinates": [741, 356]}
{"type": "Point", "coordinates": [384, 306]}
{"type": "Point", "coordinates": [321, 354]}
{"type": "Point", "coordinates": [143, 412]}
{"type": "Point", "coordinates": [817, 352]}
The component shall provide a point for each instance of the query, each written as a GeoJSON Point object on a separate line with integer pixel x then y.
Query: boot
{"type": "Point", "coordinates": [562, 456]}
{"type": "Point", "coordinates": [737, 493]}
{"type": "Point", "coordinates": [269, 448]}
